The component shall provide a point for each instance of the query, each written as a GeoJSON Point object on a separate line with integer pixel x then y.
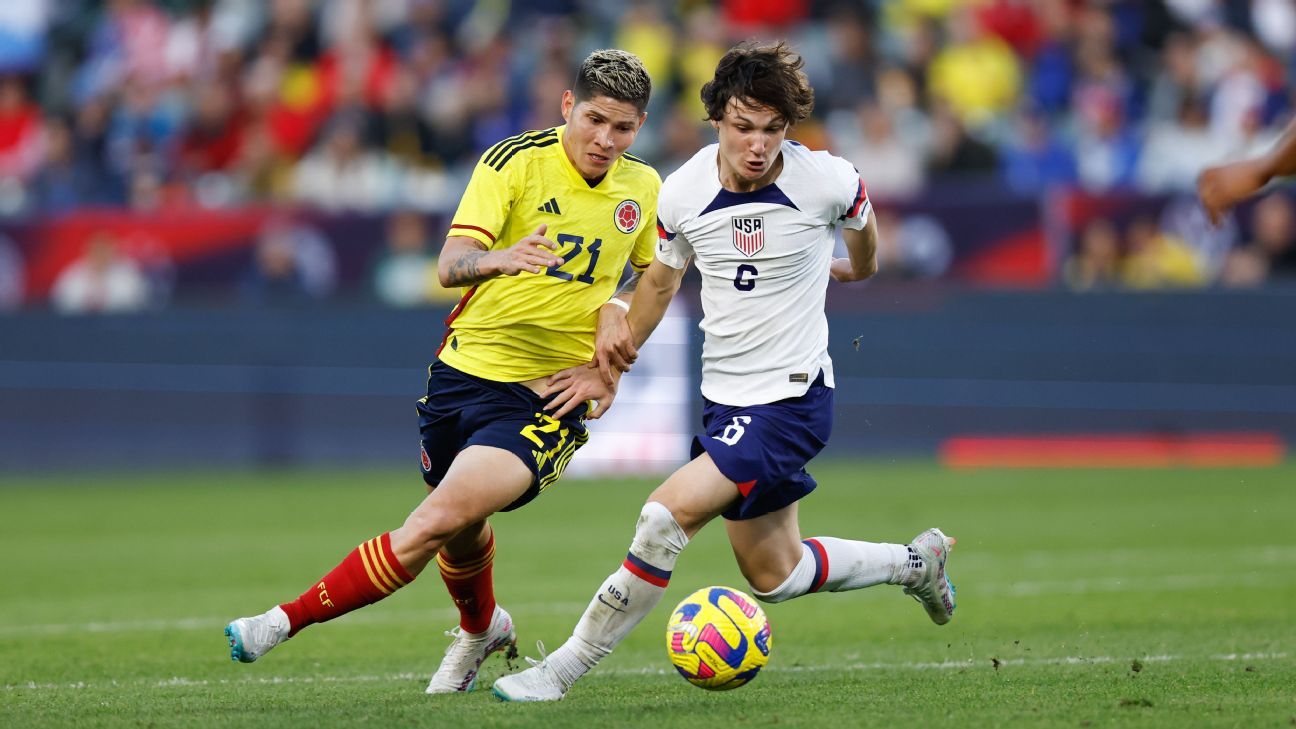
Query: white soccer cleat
{"type": "Point", "coordinates": [251, 638]}
{"type": "Point", "coordinates": [464, 656]}
{"type": "Point", "coordinates": [932, 587]}
{"type": "Point", "coordinates": [537, 683]}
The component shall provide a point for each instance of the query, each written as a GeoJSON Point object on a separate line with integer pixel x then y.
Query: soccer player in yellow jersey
{"type": "Point", "coordinates": [539, 243]}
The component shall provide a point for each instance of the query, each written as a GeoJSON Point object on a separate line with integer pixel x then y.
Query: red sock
{"type": "Point", "coordinates": [471, 586]}
{"type": "Point", "coordinates": [367, 575]}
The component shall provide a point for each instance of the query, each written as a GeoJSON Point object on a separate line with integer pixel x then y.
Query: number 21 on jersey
{"type": "Point", "coordinates": [578, 244]}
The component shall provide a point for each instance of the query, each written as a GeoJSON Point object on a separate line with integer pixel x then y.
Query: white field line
{"type": "Point", "coordinates": [1024, 588]}
{"type": "Point", "coordinates": [983, 663]}
{"type": "Point", "coordinates": [1251, 555]}
{"type": "Point", "coordinates": [448, 615]}
{"type": "Point", "coordinates": [1148, 584]}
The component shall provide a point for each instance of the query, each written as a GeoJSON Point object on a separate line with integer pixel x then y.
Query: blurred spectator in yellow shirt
{"type": "Point", "coordinates": [1157, 260]}
{"type": "Point", "coordinates": [976, 73]}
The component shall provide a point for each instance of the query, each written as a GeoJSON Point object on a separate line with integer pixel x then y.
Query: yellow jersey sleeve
{"type": "Point", "coordinates": [642, 253]}
{"type": "Point", "coordinates": [486, 204]}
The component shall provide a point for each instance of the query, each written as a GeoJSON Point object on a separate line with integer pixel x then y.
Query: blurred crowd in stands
{"type": "Point", "coordinates": [383, 106]}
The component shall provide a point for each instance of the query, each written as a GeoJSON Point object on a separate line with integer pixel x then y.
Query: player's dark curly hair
{"type": "Point", "coordinates": [615, 74]}
{"type": "Point", "coordinates": [767, 74]}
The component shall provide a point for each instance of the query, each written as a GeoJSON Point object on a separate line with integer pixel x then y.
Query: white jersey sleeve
{"type": "Point", "coordinates": [673, 249]}
{"type": "Point", "coordinates": [849, 193]}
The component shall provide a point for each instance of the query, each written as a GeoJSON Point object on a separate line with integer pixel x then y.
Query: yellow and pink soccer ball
{"type": "Point", "coordinates": [718, 638]}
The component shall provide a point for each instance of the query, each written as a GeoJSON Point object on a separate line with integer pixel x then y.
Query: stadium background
{"type": "Point", "coordinates": [219, 220]}
{"type": "Point", "coordinates": [218, 230]}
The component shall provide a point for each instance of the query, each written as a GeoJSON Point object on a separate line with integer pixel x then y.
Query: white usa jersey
{"type": "Point", "coordinates": [764, 258]}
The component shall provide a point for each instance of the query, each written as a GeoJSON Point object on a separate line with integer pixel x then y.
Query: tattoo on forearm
{"type": "Point", "coordinates": [631, 283]}
{"type": "Point", "coordinates": [465, 272]}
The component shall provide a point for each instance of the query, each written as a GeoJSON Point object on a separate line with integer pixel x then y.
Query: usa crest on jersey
{"type": "Point", "coordinates": [749, 235]}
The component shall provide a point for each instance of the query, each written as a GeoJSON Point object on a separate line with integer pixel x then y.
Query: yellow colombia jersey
{"type": "Point", "coordinates": [514, 328]}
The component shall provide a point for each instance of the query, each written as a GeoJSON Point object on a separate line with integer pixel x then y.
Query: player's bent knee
{"type": "Point", "coordinates": [657, 531]}
{"type": "Point", "coordinates": [656, 522]}
{"type": "Point", "coordinates": [655, 518]}
{"type": "Point", "coordinates": [428, 532]}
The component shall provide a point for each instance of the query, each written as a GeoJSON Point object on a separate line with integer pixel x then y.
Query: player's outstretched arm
{"type": "Point", "coordinates": [1223, 186]}
{"type": "Point", "coordinates": [651, 299]}
{"type": "Point", "coordinates": [617, 345]}
{"type": "Point", "coordinates": [861, 246]}
{"type": "Point", "coordinates": [465, 261]}
{"type": "Point", "coordinates": [613, 342]}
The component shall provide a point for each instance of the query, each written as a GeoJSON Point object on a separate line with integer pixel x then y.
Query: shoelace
{"type": "Point", "coordinates": [459, 640]}
{"type": "Point", "coordinates": [543, 655]}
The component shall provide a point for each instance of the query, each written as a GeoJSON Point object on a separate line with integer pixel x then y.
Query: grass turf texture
{"type": "Point", "coordinates": [1087, 598]}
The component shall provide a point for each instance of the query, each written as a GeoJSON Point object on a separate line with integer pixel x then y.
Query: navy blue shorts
{"type": "Point", "coordinates": [765, 448]}
{"type": "Point", "coordinates": [462, 410]}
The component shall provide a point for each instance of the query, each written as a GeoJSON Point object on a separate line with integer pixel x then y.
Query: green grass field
{"type": "Point", "coordinates": [1086, 598]}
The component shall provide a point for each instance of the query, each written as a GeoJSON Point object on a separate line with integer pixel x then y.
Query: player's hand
{"type": "Point", "coordinates": [613, 344]}
{"type": "Point", "coordinates": [532, 254]}
{"type": "Point", "coordinates": [1223, 186]}
{"type": "Point", "coordinates": [574, 386]}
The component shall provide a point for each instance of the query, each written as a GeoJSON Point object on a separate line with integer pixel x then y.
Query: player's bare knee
{"type": "Point", "coordinates": [427, 532]}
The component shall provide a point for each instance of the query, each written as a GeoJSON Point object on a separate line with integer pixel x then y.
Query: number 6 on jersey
{"type": "Point", "coordinates": [734, 431]}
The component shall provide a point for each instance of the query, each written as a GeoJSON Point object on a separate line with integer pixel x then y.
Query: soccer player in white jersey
{"type": "Point", "coordinates": [759, 215]}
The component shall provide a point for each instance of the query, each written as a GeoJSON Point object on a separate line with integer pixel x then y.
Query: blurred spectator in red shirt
{"type": "Point", "coordinates": [215, 133]}
{"type": "Point", "coordinates": [20, 130]}
{"type": "Point", "coordinates": [746, 17]}
{"type": "Point", "coordinates": [1015, 21]}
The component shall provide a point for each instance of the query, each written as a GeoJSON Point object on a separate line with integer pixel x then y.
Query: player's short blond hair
{"type": "Point", "coordinates": [615, 74]}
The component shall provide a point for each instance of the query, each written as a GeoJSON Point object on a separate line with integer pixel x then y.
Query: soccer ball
{"type": "Point", "coordinates": [718, 638]}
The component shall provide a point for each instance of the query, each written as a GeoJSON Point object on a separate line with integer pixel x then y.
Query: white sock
{"type": "Point", "coordinates": [626, 596]}
{"type": "Point", "coordinates": [829, 564]}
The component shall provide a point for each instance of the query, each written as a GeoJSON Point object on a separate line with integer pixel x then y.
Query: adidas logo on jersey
{"type": "Point", "coordinates": [550, 207]}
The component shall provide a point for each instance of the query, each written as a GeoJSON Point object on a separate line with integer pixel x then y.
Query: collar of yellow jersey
{"type": "Point", "coordinates": [574, 173]}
